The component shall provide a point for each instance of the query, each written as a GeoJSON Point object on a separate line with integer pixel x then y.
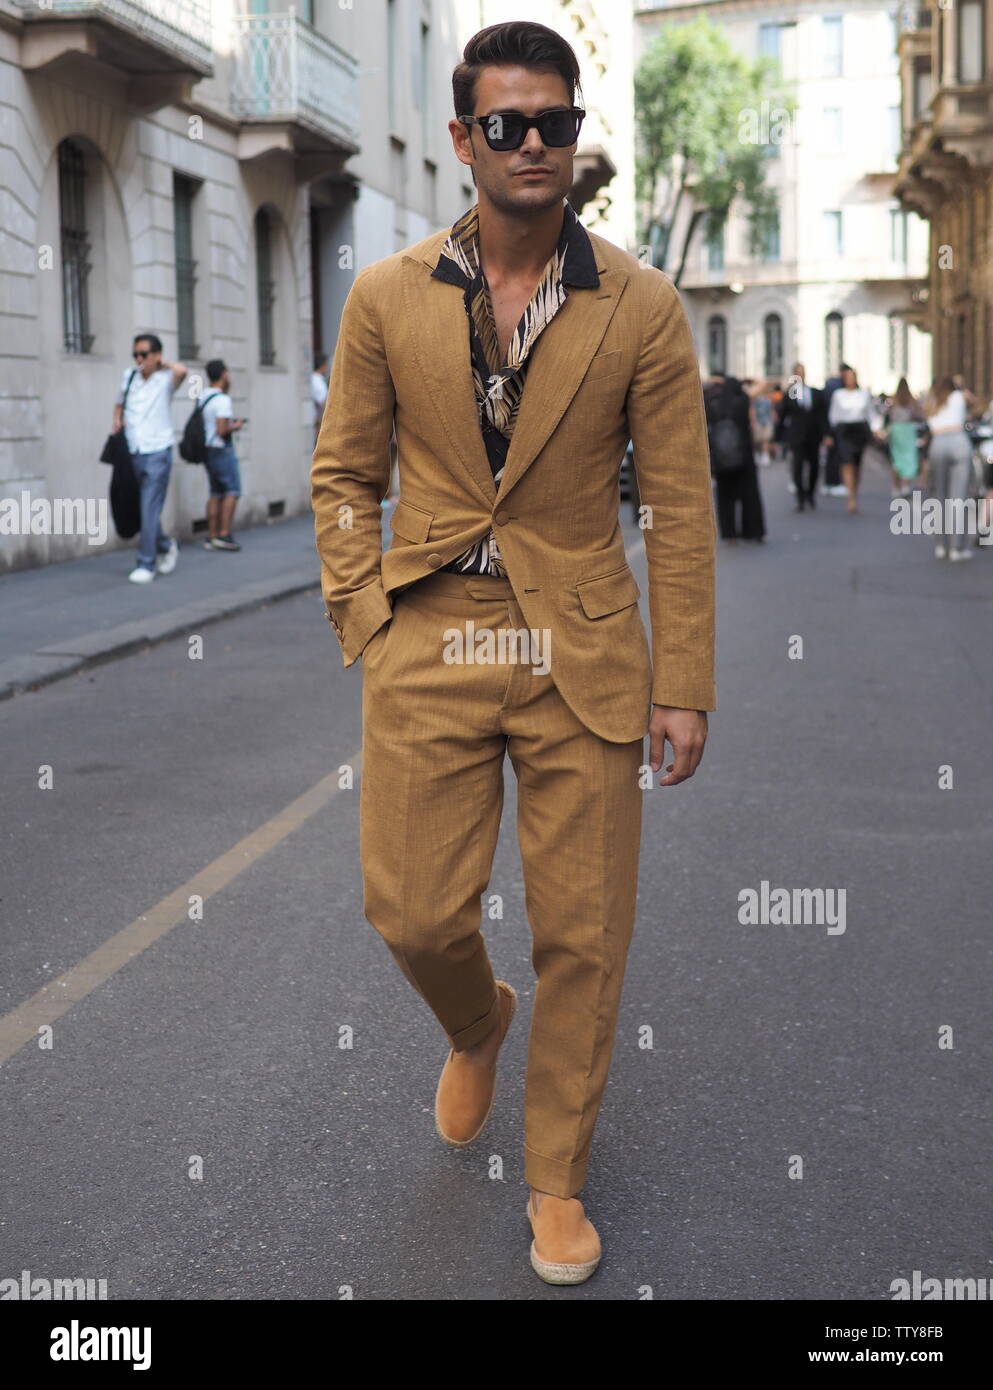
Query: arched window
{"type": "Point", "coordinates": [834, 343]}
{"type": "Point", "coordinates": [266, 286]}
{"type": "Point", "coordinates": [76, 246]}
{"type": "Point", "coordinates": [772, 336]}
{"type": "Point", "coordinates": [717, 343]}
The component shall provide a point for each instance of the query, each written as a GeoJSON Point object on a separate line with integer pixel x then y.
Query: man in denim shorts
{"type": "Point", "coordinates": [219, 427]}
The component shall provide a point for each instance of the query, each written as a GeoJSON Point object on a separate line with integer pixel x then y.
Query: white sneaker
{"type": "Point", "coordinates": [140, 575]}
{"type": "Point", "coordinates": [960, 555]}
{"type": "Point", "coordinates": [940, 551]}
{"type": "Point", "coordinates": [166, 563]}
{"type": "Point", "coordinates": [839, 490]}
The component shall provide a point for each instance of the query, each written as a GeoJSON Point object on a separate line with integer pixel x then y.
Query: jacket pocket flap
{"type": "Point", "coordinates": [412, 523]}
{"type": "Point", "coordinates": [608, 593]}
{"type": "Point", "coordinates": [603, 364]}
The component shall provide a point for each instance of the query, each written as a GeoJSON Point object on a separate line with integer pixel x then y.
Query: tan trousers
{"type": "Point", "coordinates": [434, 740]}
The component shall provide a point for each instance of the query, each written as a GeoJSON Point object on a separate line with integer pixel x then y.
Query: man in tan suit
{"type": "Point", "coordinates": [515, 354]}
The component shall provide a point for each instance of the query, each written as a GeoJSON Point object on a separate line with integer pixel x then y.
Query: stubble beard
{"type": "Point", "coordinates": [538, 201]}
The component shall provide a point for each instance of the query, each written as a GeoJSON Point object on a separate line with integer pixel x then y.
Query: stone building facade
{"type": "Point", "coordinates": [946, 176]}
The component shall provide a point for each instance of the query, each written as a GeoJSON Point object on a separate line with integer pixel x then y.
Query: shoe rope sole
{"type": "Point", "coordinates": [558, 1273]}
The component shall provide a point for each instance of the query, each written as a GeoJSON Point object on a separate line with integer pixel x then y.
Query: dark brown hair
{"type": "Point", "coordinates": [903, 396]}
{"type": "Point", "coordinates": [520, 43]}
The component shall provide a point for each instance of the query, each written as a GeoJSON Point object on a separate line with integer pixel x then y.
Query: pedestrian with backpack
{"type": "Point", "coordinates": [220, 426]}
{"type": "Point", "coordinates": [732, 460]}
{"type": "Point", "coordinates": [143, 411]}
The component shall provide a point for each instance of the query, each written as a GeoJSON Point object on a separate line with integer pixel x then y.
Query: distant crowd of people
{"type": "Point", "coordinates": [927, 439]}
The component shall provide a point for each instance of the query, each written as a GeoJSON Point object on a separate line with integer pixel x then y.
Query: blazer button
{"type": "Point", "coordinates": [435, 561]}
{"type": "Point", "coordinates": [501, 518]}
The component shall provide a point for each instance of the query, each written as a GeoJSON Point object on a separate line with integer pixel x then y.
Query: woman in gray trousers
{"type": "Point", "coordinates": [949, 457]}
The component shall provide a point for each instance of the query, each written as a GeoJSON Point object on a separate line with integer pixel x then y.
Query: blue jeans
{"type": "Point", "coordinates": [223, 471]}
{"type": "Point", "coordinates": [152, 472]}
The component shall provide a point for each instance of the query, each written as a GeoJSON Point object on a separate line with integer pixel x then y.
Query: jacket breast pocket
{"type": "Point", "coordinates": [412, 523]}
{"type": "Point", "coordinates": [603, 364]}
{"type": "Point", "coordinates": [608, 593]}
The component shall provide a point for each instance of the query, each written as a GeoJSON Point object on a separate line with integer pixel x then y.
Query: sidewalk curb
{"type": "Point", "coordinates": [97, 648]}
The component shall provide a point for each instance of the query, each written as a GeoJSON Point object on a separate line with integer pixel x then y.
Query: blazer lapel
{"type": "Point", "coordinates": [561, 358]}
{"type": "Point", "coordinates": [439, 332]}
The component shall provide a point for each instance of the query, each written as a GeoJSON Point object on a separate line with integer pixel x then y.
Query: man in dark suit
{"type": "Point", "coordinates": [740, 515]}
{"type": "Point", "coordinates": [801, 427]}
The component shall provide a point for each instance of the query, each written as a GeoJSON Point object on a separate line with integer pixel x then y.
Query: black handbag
{"type": "Point", "coordinates": [125, 499]}
{"type": "Point", "coordinates": [116, 450]}
{"type": "Point", "coordinates": [125, 494]}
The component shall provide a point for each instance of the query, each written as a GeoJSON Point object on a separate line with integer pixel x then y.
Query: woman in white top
{"type": "Point", "coordinates": [949, 455]}
{"type": "Point", "coordinates": [850, 421]}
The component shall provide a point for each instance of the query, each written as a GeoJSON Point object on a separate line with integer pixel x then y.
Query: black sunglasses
{"type": "Point", "coordinates": [507, 130]}
{"type": "Point", "coordinates": [142, 354]}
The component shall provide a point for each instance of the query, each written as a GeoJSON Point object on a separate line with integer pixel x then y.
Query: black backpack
{"type": "Point", "coordinates": [727, 451]}
{"type": "Point", "coordinates": [193, 445]}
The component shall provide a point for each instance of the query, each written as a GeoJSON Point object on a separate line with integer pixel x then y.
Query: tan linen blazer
{"type": "Point", "coordinates": [616, 361]}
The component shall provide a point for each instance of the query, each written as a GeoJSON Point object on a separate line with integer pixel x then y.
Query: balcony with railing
{"type": "Point", "coordinates": [147, 40]}
{"type": "Point", "coordinates": [293, 88]}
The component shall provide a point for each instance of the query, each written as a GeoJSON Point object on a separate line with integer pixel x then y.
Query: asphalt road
{"type": "Point", "coordinates": [320, 1167]}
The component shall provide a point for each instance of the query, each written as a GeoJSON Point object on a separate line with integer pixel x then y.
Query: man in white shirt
{"type": "Point", "coordinates": [219, 427]}
{"type": "Point", "coordinates": [319, 388]}
{"type": "Point", "coordinates": [144, 411]}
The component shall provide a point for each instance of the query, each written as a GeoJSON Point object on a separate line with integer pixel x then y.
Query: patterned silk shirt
{"type": "Point", "coordinates": [499, 385]}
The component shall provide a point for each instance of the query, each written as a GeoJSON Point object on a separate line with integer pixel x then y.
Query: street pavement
{"type": "Point", "coordinates": [223, 1044]}
{"type": "Point", "coordinates": [59, 619]}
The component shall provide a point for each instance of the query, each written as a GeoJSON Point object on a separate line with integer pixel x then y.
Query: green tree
{"type": "Point", "coordinates": [705, 118]}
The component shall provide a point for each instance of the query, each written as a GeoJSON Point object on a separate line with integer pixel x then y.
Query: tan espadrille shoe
{"type": "Point", "coordinates": [575, 1246]}
{"type": "Point", "coordinates": [466, 1088]}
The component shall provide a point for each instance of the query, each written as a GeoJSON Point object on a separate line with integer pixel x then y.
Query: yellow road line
{"type": "Point", "coordinates": [20, 1026]}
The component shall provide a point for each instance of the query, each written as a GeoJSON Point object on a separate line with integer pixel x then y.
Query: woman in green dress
{"type": "Point", "coordinates": [902, 416]}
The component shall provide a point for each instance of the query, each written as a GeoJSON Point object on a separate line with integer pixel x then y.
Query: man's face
{"type": "Point", "coordinates": [800, 371]}
{"type": "Point", "coordinates": [510, 179]}
{"type": "Point", "coordinates": [146, 358]}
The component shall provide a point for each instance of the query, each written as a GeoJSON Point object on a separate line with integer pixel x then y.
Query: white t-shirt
{"type": "Point", "coordinates": [953, 413]}
{"type": "Point", "coordinates": [148, 411]}
{"type": "Point", "coordinates": [849, 407]}
{"type": "Point", "coordinates": [318, 394]}
{"type": "Point", "coordinates": [218, 407]}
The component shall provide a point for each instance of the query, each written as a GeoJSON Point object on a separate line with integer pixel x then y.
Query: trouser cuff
{"type": "Point", "coordinates": [554, 1175]}
{"type": "Point", "coordinates": [476, 1032]}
